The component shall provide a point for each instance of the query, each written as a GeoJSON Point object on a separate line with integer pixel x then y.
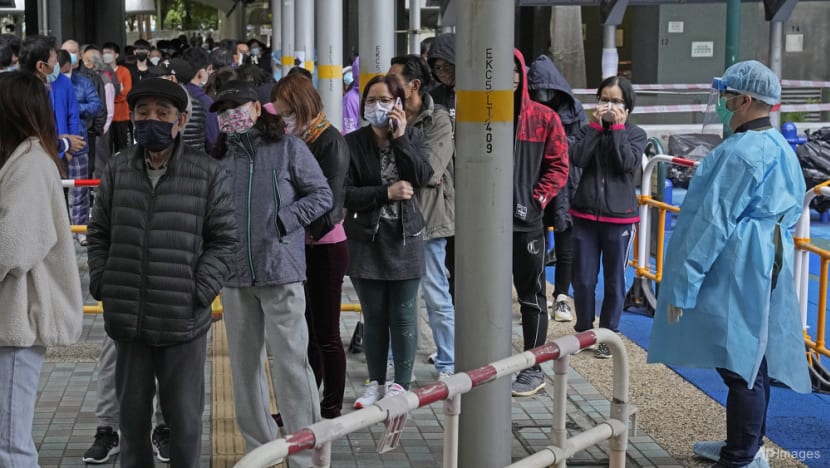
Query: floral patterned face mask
{"type": "Point", "coordinates": [236, 120]}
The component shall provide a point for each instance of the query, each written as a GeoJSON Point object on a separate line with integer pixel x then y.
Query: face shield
{"type": "Point", "coordinates": [712, 122]}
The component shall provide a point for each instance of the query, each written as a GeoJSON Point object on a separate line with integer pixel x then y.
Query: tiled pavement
{"type": "Point", "coordinates": [65, 414]}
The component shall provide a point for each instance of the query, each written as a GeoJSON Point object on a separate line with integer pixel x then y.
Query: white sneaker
{"type": "Point", "coordinates": [371, 393]}
{"type": "Point", "coordinates": [394, 390]}
{"type": "Point", "coordinates": [562, 310]}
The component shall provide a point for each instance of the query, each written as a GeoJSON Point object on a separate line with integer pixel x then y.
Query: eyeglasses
{"type": "Point", "coordinates": [383, 100]}
{"type": "Point", "coordinates": [611, 101]}
{"type": "Point", "coordinates": [443, 68]}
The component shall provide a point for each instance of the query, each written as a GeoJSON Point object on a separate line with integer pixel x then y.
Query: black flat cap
{"type": "Point", "coordinates": [158, 88]}
{"type": "Point", "coordinates": [236, 93]}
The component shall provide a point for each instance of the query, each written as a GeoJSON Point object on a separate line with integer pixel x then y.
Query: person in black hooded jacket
{"type": "Point", "coordinates": [549, 87]}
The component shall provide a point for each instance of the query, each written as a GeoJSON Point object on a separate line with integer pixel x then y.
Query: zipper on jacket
{"type": "Point", "coordinates": [250, 189]}
{"type": "Point", "coordinates": [277, 204]}
{"type": "Point", "coordinates": [142, 293]}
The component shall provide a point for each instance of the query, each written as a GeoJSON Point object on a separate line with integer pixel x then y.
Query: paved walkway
{"type": "Point", "coordinates": [65, 414]}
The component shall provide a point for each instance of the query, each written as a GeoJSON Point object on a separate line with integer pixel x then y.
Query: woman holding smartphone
{"type": "Point", "coordinates": [384, 227]}
{"type": "Point", "coordinates": [604, 207]}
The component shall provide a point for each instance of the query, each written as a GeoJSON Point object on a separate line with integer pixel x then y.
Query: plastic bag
{"type": "Point", "coordinates": [692, 146]}
{"type": "Point", "coordinates": [814, 157]}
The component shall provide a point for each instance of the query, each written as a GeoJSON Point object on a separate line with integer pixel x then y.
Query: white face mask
{"type": "Point", "coordinates": [155, 61]}
{"type": "Point", "coordinates": [377, 114]}
{"type": "Point", "coordinates": [109, 58]}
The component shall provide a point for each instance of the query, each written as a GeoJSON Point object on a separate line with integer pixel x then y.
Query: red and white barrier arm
{"type": "Point", "coordinates": [76, 183]}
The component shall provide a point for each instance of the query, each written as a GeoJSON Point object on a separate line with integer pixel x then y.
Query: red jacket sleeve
{"type": "Point", "coordinates": [554, 173]}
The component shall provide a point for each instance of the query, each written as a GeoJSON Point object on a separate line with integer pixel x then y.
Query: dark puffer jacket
{"type": "Point", "coordinates": [158, 257]}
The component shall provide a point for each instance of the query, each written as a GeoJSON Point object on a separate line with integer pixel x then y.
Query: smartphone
{"type": "Point", "coordinates": [393, 123]}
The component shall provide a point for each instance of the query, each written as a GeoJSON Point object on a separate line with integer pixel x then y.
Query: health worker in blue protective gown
{"type": "Point", "coordinates": [727, 300]}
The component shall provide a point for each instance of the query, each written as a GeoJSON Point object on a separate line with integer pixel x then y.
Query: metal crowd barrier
{"type": "Point", "coordinates": [216, 306]}
{"type": "Point", "coordinates": [641, 264]}
{"type": "Point", "coordinates": [803, 249]}
{"type": "Point", "coordinates": [393, 411]}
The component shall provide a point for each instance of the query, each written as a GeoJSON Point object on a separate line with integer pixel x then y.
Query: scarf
{"type": "Point", "coordinates": [317, 126]}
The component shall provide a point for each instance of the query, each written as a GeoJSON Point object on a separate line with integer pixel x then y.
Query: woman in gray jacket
{"type": "Point", "coordinates": [278, 190]}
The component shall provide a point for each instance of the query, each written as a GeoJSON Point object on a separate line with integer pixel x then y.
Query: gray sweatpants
{"type": "Point", "coordinates": [277, 313]}
{"type": "Point", "coordinates": [106, 406]}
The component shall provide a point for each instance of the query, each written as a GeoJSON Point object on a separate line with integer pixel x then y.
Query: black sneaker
{"type": "Point", "coordinates": [161, 442]}
{"type": "Point", "coordinates": [602, 351]}
{"type": "Point", "coordinates": [105, 446]}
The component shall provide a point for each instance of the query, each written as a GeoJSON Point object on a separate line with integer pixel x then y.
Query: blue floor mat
{"type": "Point", "coordinates": [798, 423]}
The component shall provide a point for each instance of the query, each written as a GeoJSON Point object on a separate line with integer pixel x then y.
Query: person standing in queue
{"type": "Point", "coordinates": [385, 230]}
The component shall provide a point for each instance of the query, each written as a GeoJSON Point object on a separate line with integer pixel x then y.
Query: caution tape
{"type": "Point", "coordinates": [705, 86]}
{"type": "Point", "coordinates": [702, 108]}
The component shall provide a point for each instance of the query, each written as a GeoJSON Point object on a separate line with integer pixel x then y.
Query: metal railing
{"type": "Point", "coordinates": [393, 411]}
{"type": "Point", "coordinates": [801, 269]}
{"type": "Point", "coordinates": [641, 264]}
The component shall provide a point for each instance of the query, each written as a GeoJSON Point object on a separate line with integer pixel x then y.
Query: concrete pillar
{"type": "Point", "coordinates": [376, 42]}
{"type": "Point", "coordinates": [304, 34]}
{"type": "Point", "coordinates": [287, 35]}
{"type": "Point", "coordinates": [484, 178]}
{"type": "Point", "coordinates": [415, 27]}
{"type": "Point", "coordinates": [776, 32]}
{"type": "Point", "coordinates": [233, 26]}
{"type": "Point", "coordinates": [276, 38]}
{"type": "Point", "coordinates": [330, 54]}
{"type": "Point", "coordinates": [610, 56]}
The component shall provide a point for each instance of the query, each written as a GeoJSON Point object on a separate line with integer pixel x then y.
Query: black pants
{"type": "Point", "coordinates": [563, 243]}
{"type": "Point", "coordinates": [326, 267]}
{"type": "Point", "coordinates": [608, 243]}
{"type": "Point", "coordinates": [746, 416]}
{"type": "Point", "coordinates": [180, 371]}
{"type": "Point", "coordinates": [122, 135]}
{"type": "Point", "coordinates": [529, 280]}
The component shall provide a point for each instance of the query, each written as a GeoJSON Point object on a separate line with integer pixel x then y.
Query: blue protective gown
{"type": "Point", "coordinates": [719, 263]}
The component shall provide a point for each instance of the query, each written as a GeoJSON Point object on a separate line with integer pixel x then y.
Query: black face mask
{"type": "Point", "coordinates": [154, 135]}
{"type": "Point", "coordinates": [142, 56]}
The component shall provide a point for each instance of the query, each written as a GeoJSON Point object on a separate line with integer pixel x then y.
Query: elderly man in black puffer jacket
{"type": "Point", "coordinates": [160, 242]}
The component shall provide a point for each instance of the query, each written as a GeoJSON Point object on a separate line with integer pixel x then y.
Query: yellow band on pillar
{"type": "Point", "coordinates": [309, 65]}
{"type": "Point", "coordinates": [288, 60]}
{"type": "Point", "coordinates": [330, 72]}
{"type": "Point", "coordinates": [365, 78]}
{"type": "Point", "coordinates": [484, 106]}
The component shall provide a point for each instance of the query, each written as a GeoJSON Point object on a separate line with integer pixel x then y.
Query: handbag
{"type": "Point", "coordinates": [356, 345]}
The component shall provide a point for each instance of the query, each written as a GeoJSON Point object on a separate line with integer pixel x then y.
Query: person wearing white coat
{"type": "Point", "coordinates": [40, 288]}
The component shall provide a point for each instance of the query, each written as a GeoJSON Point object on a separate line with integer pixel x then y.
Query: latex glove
{"type": "Point", "coordinates": [674, 314]}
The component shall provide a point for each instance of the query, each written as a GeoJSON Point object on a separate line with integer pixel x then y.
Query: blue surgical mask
{"type": "Point", "coordinates": [73, 58]}
{"type": "Point", "coordinates": [376, 114]}
{"type": "Point", "coordinates": [50, 78]}
{"type": "Point", "coordinates": [255, 51]}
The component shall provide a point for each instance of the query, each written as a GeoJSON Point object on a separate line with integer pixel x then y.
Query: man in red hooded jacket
{"type": "Point", "coordinates": [540, 170]}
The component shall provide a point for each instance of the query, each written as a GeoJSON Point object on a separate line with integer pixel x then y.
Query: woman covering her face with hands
{"type": "Point", "coordinates": [604, 207]}
{"type": "Point", "coordinates": [384, 227]}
